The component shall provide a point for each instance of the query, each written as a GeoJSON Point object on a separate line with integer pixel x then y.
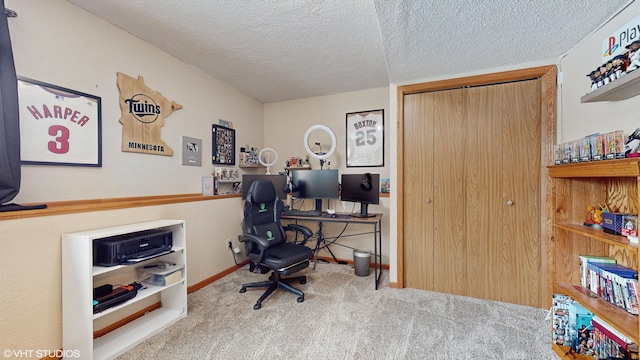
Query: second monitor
{"type": "Point", "coordinates": [363, 189]}
{"type": "Point", "coordinates": [315, 184]}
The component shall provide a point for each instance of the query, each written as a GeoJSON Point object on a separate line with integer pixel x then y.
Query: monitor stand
{"type": "Point", "coordinates": [364, 211]}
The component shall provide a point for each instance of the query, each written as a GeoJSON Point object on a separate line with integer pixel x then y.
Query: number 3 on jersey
{"type": "Point", "coordinates": [60, 145]}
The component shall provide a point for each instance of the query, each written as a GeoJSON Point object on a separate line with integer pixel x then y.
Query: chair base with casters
{"type": "Point", "coordinates": [276, 281]}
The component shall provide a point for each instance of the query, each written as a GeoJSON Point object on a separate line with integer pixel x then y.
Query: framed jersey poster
{"type": "Point", "coordinates": [365, 138]}
{"type": "Point", "coordinates": [58, 126]}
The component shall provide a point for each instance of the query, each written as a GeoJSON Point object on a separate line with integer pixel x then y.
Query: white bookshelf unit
{"type": "Point", "coordinates": [80, 277]}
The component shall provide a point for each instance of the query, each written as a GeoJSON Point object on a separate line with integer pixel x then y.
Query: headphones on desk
{"type": "Point", "coordinates": [365, 182]}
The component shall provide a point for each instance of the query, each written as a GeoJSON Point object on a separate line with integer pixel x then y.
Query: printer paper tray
{"type": "Point", "coordinates": [137, 260]}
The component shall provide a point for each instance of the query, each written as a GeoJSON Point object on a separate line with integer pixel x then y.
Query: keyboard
{"type": "Point", "coordinates": [310, 213]}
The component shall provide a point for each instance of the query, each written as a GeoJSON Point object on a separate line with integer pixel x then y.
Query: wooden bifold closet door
{"type": "Point", "coordinates": [472, 191]}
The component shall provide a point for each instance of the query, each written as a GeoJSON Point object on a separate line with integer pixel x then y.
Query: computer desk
{"type": "Point", "coordinates": [375, 221]}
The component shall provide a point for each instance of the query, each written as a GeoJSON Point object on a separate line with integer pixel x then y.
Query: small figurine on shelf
{"type": "Point", "coordinates": [306, 162]}
{"type": "Point", "coordinates": [601, 210]}
{"type": "Point", "coordinates": [594, 216]}
{"type": "Point", "coordinates": [603, 74]}
{"type": "Point", "coordinates": [611, 74]}
{"type": "Point", "coordinates": [634, 55]}
{"type": "Point", "coordinates": [591, 211]}
{"type": "Point", "coordinates": [619, 65]}
{"type": "Point", "coordinates": [598, 76]}
{"type": "Point", "coordinates": [592, 77]}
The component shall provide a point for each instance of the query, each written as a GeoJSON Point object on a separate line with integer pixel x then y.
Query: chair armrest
{"type": "Point", "coordinates": [259, 243]}
{"type": "Point", "coordinates": [305, 231]}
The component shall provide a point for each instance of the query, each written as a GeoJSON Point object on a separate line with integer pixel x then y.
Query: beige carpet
{"type": "Point", "coordinates": [343, 317]}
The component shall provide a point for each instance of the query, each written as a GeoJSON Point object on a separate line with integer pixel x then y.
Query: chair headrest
{"type": "Point", "coordinates": [261, 191]}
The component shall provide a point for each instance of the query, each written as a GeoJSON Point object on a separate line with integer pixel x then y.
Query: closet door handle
{"type": "Point", "coordinates": [428, 200]}
{"type": "Point", "coordinates": [510, 203]}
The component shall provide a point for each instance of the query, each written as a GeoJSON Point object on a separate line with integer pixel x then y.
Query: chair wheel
{"type": "Point", "coordinates": [243, 290]}
{"type": "Point", "coordinates": [257, 306]}
{"type": "Point", "coordinates": [300, 299]}
{"type": "Point", "coordinates": [303, 281]}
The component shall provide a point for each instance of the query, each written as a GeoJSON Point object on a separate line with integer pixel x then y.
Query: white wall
{"type": "Point", "coordinates": [575, 119]}
{"type": "Point", "coordinates": [58, 43]}
{"type": "Point", "coordinates": [285, 124]}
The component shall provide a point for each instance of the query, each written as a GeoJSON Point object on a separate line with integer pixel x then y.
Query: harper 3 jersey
{"type": "Point", "coordinates": [57, 126]}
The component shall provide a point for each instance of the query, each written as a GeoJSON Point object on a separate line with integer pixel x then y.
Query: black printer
{"type": "Point", "coordinates": [132, 247]}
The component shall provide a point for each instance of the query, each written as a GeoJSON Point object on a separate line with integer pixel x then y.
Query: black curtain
{"type": "Point", "coordinates": [9, 121]}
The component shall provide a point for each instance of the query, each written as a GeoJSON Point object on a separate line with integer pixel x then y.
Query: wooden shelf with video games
{"type": "Point", "coordinates": [575, 186]}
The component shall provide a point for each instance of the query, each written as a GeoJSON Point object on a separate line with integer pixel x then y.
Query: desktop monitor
{"type": "Point", "coordinates": [279, 182]}
{"type": "Point", "coordinates": [361, 188]}
{"type": "Point", "coordinates": [315, 184]}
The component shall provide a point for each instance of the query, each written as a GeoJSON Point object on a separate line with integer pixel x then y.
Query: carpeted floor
{"type": "Point", "coordinates": [343, 317]}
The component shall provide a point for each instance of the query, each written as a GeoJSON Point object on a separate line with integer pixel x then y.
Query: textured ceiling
{"type": "Point", "coordinates": [276, 50]}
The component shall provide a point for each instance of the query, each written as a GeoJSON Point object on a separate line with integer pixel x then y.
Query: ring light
{"type": "Point", "coordinates": [333, 141]}
{"type": "Point", "coordinates": [269, 152]}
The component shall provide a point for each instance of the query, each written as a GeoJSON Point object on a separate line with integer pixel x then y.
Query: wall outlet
{"type": "Point", "coordinates": [229, 245]}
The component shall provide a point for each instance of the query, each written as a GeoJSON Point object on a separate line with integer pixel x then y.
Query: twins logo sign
{"type": "Point", "coordinates": [143, 108]}
{"type": "Point", "coordinates": [142, 116]}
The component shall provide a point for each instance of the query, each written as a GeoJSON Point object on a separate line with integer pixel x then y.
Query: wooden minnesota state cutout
{"type": "Point", "coordinates": [142, 115]}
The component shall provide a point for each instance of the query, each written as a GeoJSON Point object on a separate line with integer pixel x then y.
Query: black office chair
{"type": "Point", "coordinates": [266, 243]}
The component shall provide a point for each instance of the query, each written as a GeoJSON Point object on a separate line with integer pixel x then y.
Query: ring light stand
{"type": "Point", "coordinates": [320, 243]}
{"type": "Point", "coordinates": [269, 152]}
{"type": "Point", "coordinates": [320, 155]}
